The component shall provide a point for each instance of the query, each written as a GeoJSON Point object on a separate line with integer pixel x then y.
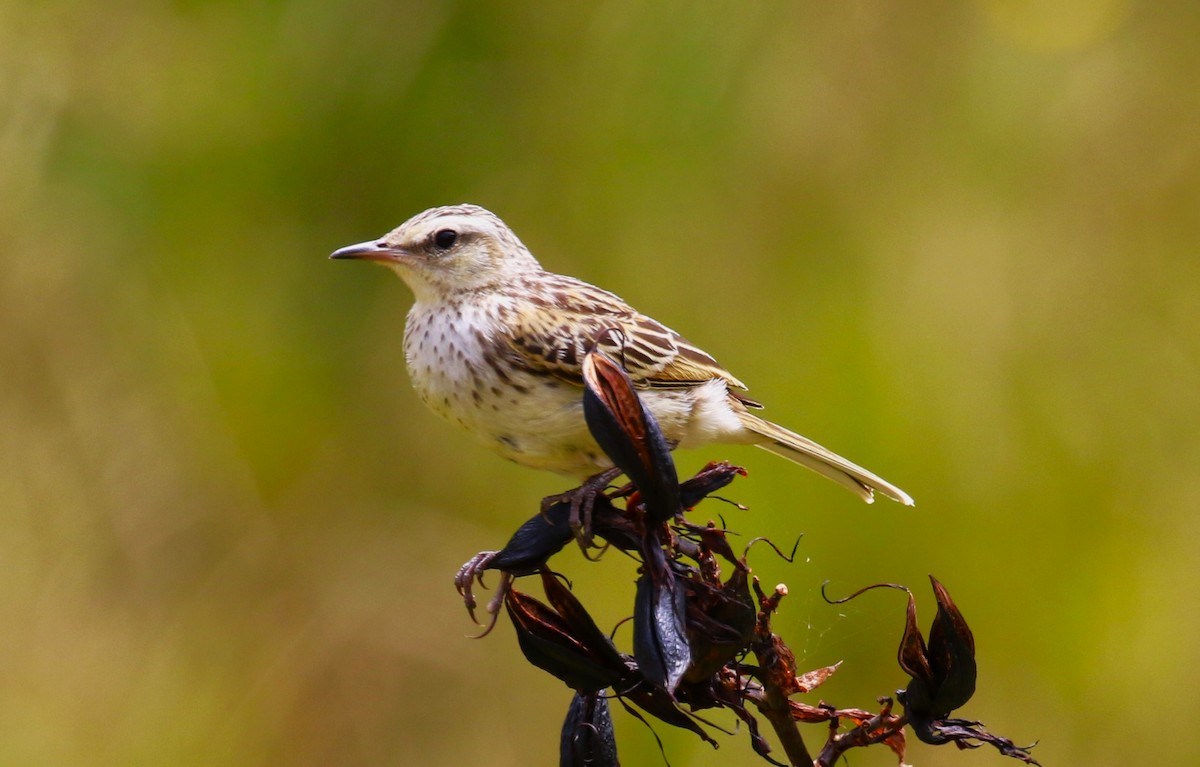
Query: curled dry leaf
{"type": "Point", "coordinates": [587, 738]}
{"type": "Point", "coordinates": [624, 428]}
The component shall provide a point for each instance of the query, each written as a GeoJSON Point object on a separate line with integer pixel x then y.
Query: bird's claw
{"type": "Point", "coordinates": [464, 581]}
{"type": "Point", "coordinates": [582, 502]}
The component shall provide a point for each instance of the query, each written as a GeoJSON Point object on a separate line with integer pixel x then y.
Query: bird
{"type": "Point", "coordinates": [495, 343]}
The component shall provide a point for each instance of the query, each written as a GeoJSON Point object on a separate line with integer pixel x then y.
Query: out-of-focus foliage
{"type": "Point", "coordinates": [956, 242]}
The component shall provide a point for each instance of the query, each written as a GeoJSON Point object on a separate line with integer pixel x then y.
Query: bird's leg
{"type": "Point", "coordinates": [464, 581]}
{"type": "Point", "coordinates": [582, 500]}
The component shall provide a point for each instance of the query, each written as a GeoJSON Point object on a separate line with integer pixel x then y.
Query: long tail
{"type": "Point", "coordinates": [778, 440]}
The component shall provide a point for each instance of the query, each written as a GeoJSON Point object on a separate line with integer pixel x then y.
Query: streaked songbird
{"type": "Point", "coordinates": [495, 343]}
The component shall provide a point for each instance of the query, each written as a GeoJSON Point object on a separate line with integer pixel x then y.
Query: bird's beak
{"type": "Point", "coordinates": [368, 251]}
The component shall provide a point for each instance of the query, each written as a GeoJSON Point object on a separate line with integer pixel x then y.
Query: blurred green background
{"type": "Point", "coordinates": [955, 242]}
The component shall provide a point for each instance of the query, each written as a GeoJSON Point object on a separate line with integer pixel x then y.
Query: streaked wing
{"type": "Point", "coordinates": [563, 318]}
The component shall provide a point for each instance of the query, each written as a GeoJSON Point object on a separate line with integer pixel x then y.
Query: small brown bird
{"type": "Point", "coordinates": [495, 343]}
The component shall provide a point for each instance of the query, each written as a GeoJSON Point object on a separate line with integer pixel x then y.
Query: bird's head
{"type": "Point", "coordinates": [447, 250]}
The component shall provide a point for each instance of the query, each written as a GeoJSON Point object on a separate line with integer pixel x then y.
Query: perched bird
{"type": "Point", "coordinates": [495, 343]}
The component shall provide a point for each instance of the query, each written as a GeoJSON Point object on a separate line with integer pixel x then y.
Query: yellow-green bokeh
{"type": "Point", "coordinates": [957, 242]}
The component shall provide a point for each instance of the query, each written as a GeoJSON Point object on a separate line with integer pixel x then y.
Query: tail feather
{"type": "Point", "coordinates": [778, 440]}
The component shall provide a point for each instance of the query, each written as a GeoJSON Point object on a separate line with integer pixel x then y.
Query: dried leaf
{"type": "Point", "coordinates": [660, 642]}
{"type": "Point", "coordinates": [951, 655]}
{"type": "Point", "coordinates": [547, 642]}
{"type": "Point", "coordinates": [714, 476]}
{"type": "Point", "coordinates": [580, 623]}
{"type": "Point", "coordinates": [720, 624]}
{"type": "Point", "coordinates": [587, 738]}
{"type": "Point", "coordinates": [914, 657]}
{"type": "Point", "coordinates": [629, 435]}
{"type": "Point", "coordinates": [811, 680]}
{"type": "Point", "coordinates": [657, 703]}
{"type": "Point", "coordinates": [534, 542]}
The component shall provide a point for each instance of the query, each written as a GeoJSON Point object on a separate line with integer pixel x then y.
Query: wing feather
{"type": "Point", "coordinates": [559, 319]}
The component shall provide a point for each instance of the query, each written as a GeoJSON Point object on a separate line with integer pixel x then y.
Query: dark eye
{"type": "Point", "coordinates": [444, 239]}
